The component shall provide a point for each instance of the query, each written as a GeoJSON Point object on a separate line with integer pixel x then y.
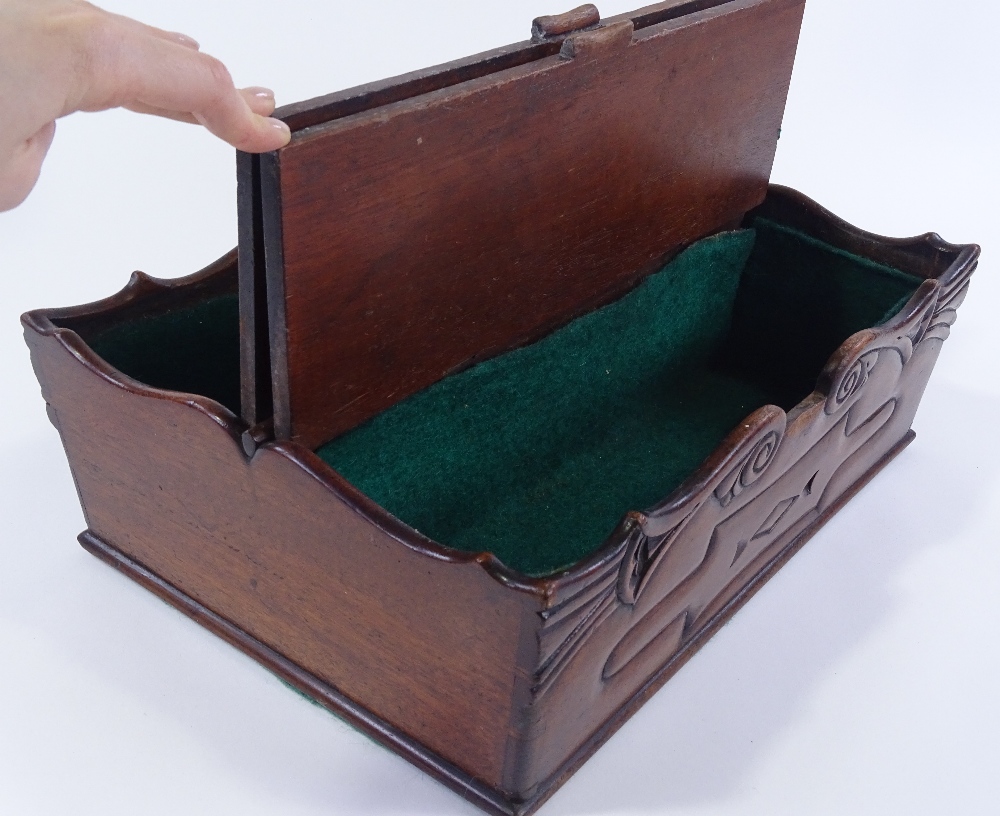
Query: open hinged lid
{"type": "Point", "coordinates": [415, 226]}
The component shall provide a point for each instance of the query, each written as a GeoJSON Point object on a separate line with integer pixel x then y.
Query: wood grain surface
{"type": "Point", "coordinates": [499, 685]}
{"type": "Point", "coordinates": [280, 545]}
{"type": "Point", "coordinates": [423, 233]}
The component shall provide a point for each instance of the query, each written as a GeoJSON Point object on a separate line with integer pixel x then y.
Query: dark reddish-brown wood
{"type": "Point", "coordinates": [556, 25]}
{"type": "Point", "coordinates": [282, 546]}
{"type": "Point", "coordinates": [415, 228]}
{"type": "Point", "coordinates": [499, 685]}
{"type": "Point", "coordinates": [255, 341]}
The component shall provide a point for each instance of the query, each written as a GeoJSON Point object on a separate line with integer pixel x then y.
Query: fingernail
{"type": "Point", "coordinates": [185, 40]}
{"type": "Point", "coordinates": [281, 127]}
{"type": "Point", "coordinates": [262, 93]}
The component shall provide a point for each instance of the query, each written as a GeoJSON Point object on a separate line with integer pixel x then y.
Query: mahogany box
{"type": "Point", "coordinates": [521, 382]}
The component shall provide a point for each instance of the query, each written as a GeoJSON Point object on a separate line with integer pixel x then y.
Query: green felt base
{"type": "Point", "coordinates": [537, 454]}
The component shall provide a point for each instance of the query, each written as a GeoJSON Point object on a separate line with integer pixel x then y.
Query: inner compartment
{"type": "Point", "coordinates": [193, 348]}
{"type": "Point", "coordinates": [537, 454]}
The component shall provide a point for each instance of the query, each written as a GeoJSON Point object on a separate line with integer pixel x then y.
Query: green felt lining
{"type": "Point", "coordinates": [195, 350]}
{"type": "Point", "coordinates": [799, 299]}
{"type": "Point", "coordinates": [536, 454]}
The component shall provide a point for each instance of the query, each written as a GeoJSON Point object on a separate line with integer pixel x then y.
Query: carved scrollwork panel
{"type": "Point", "coordinates": [853, 381]}
{"type": "Point", "coordinates": [642, 554]}
{"type": "Point", "coordinates": [741, 544]}
{"type": "Point", "coordinates": [683, 561]}
{"type": "Point", "coordinates": [687, 563]}
{"type": "Point", "coordinates": [952, 295]}
{"type": "Point", "coordinates": [749, 469]}
{"type": "Point", "coordinates": [671, 581]}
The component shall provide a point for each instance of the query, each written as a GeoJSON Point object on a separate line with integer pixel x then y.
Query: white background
{"type": "Point", "coordinates": [861, 680]}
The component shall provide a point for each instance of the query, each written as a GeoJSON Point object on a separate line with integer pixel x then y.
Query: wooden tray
{"type": "Point", "coordinates": [499, 681]}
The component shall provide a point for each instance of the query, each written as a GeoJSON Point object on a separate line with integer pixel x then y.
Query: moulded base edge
{"type": "Point", "coordinates": [473, 790]}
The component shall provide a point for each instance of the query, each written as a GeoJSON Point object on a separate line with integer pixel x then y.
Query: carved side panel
{"type": "Point", "coordinates": [681, 564]}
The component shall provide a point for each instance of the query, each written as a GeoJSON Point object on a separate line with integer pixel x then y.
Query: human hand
{"type": "Point", "coordinates": [61, 56]}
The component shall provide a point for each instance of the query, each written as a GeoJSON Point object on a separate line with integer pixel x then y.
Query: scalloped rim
{"type": "Point", "coordinates": [960, 258]}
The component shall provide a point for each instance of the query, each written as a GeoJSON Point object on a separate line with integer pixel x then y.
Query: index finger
{"type": "Point", "coordinates": [138, 68]}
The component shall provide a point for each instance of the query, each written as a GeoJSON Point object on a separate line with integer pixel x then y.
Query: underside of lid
{"type": "Point", "coordinates": [416, 226]}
